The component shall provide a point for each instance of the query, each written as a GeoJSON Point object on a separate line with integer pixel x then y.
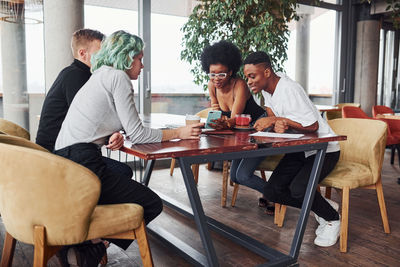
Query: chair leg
{"type": "Point", "coordinates": [210, 165]}
{"type": "Point", "coordinates": [345, 219]}
{"type": "Point", "coordinates": [263, 176]}
{"type": "Point", "coordinates": [382, 206]}
{"type": "Point", "coordinates": [392, 149]}
{"type": "Point", "coordinates": [234, 194]}
{"type": "Point", "coordinates": [225, 175]}
{"type": "Point", "coordinates": [398, 153]}
{"type": "Point", "coordinates": [195, 170]}
{"type": "Point", "coordinates": [328, 192]}
{"type": "Point", "coordinates": [144, 248]}
{"type": "Point", "coordinates": [39, 258]}
{"type": "Point", "coordinates": [171, 170]}
{"type": "Point", "coordinates": [8, 250]}
{"type": "Point", "coordinates": [279, 216]}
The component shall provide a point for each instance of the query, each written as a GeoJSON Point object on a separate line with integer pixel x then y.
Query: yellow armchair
{"type": "Point", "coordinates": [359, 166]}
{"type": "Point", "coordinates": [10, 128]}
{"type": "Point", "coordinates": [49, 201]}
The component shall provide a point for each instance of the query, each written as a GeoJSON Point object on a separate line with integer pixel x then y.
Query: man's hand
{"type": "Point", "coordinates": [264, 123]}
{"type": "Point", "coordinates": [281, 126]}
{"type": "Point", "coordinates": [116, 141]}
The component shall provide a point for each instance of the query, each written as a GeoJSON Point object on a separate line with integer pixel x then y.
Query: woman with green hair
{"type": "Point", "coordinates": [104, 105]}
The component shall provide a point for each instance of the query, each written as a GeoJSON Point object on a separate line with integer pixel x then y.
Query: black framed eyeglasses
{"type": "Point", "coordinates": [217, 75]}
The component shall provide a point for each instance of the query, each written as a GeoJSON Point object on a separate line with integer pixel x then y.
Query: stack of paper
{"type": "Point", "coordinates": [279, 135]}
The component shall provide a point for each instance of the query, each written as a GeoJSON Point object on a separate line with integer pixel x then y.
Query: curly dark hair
{"type": "Point", "coordinates": [222, 52]}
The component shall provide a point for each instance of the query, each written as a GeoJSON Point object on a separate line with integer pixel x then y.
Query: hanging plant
{"type": "Point", "coordinates": [250, 24]}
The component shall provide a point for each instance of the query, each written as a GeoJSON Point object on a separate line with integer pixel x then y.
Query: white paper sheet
{"type": "Point", "coordinates": [279, 135]}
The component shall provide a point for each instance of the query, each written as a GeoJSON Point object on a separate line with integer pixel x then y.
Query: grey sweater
{"type": "Point", "coordinates": [104, 105]}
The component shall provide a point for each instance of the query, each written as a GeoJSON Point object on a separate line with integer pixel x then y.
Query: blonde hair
{"type": "Point", "coordinates": [82, 38]}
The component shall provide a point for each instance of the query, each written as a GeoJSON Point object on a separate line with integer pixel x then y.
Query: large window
{"type": "Point", "coordinates": [108, 20]}
{"type": "Point", "coordinates": [320, 38]}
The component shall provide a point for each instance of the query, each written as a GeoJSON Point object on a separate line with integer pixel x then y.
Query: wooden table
{"type": "Point", "coordinates": [388, 116]}
{"type": "Point", "coordinates": [324, 108]}
{"type": "Point", "coordinates": [226, 147]}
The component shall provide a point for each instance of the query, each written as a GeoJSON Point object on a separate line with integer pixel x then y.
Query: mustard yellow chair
{"type": "Point", "coordinates": [337, 114]}
{"type": "Point", "coordinates": [19, 141]}
{"type": "Point", "coordinates": [359, 166]}
{"type": "Point", "coordinates": [51, 202]}
{"type": "Point", "coordinates": [10, 128]}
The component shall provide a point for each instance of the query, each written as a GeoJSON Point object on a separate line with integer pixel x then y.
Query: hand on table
{"type": "Point", "coordinates": [222, 123]}
{"type": "Point", "coordinates": [116, 141]}
{"type": "Point", "coordinates": [280, 126]}
{"type": "Point", "coordinates": [191, 131]}
{"type": "Point", "coordinates": [264, 123]}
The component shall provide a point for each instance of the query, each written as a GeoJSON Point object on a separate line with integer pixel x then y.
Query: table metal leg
{"type": "Point", "coordinates": [307, 203]}
{"type": "Point", "coordinates": [198, 212]}
{"type": "Point", "coordinates": [148, 171]}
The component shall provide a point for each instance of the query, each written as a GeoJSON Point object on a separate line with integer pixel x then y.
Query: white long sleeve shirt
{"type": "Point", "coordinates": [104, 105]}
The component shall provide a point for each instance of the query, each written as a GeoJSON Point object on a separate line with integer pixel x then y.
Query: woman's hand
{"type": "Point", "coordinates": [191, 131]}
{"type": "Point", "coordinates": [116, 141]}
{"type": "Point", "coordinates": [222, 123]}
{"type": "Point", "coordinates": [215, 107]}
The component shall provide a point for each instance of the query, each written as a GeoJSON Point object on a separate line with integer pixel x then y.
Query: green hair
{"type": "Point", "coordinates": [117, 51]}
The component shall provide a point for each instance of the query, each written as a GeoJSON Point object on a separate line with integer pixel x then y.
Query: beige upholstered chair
{"type": "Point", "coordinates": [10, 128]}
{"type": "Point", "coordinates": [359, 166]}
{"type": "Point", "coordinates": [337, 114]}
{"type": "Point", "coordinates": [19, 141]}
{"type": "Point", "coordinates": [52, 202]}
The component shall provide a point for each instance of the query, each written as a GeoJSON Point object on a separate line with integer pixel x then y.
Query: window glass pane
{"type": "Point", "coordinates": [321, 25]}
{"type": "Point", "coordinates": [173, 90]}
{"type": "Point", "coordinates": [117, 19]}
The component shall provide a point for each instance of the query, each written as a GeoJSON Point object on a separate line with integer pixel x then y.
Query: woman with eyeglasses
{"type": "Point", "coordinates": [230, 94]}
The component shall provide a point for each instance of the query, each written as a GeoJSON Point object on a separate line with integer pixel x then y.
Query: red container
{"type": "Point", "coordinates": [242, 119]}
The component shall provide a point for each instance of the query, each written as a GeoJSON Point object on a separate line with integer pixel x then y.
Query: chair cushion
{"type": "Point", "coordinates": [349, 174]}
{"type": "Point", "coordinates": [270, 162]}
{"type": "Point", "coordinates": [113, 219]}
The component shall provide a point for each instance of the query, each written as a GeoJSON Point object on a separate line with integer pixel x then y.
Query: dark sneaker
{"type": "Point", "coordinates": [86, 255]}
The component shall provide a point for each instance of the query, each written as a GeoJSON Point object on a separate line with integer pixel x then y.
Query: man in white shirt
{"type": "Point", "coordinates": [290, 109]}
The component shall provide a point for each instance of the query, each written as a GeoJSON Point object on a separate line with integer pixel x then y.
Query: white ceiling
{"type": "Point", "coordinates": [168, 7]}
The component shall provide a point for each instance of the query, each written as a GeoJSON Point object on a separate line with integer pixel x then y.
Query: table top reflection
{"type": "Point", "coordinates": [212, 143]}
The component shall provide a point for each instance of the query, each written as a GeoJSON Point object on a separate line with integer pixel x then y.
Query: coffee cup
{"type": "Point", "coordinates": [192, 119]}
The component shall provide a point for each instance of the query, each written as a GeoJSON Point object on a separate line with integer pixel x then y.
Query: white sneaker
{"type": "Point", "coordinates": [329, 234]}
{"type": "Point", "coordinates": [321, 220]}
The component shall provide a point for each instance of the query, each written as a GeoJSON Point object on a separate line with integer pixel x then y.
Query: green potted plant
{"type": "Point", "coordinates": [251, 25]}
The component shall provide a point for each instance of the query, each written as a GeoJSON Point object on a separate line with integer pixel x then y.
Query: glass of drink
{"type": "Point", "coordinates": [242, 120]}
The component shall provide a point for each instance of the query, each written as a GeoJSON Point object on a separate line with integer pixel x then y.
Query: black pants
{"type": "Point", "coordinates": [288, 182]}
{"type": "Point", "coordinates": [116, 187]}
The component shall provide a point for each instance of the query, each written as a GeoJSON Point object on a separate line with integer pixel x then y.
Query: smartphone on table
{"type": "Point", "coordinates": [212, 115]}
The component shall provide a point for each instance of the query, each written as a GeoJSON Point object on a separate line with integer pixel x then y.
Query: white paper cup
{"type": "Point", "coordinates": [192, 119]}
